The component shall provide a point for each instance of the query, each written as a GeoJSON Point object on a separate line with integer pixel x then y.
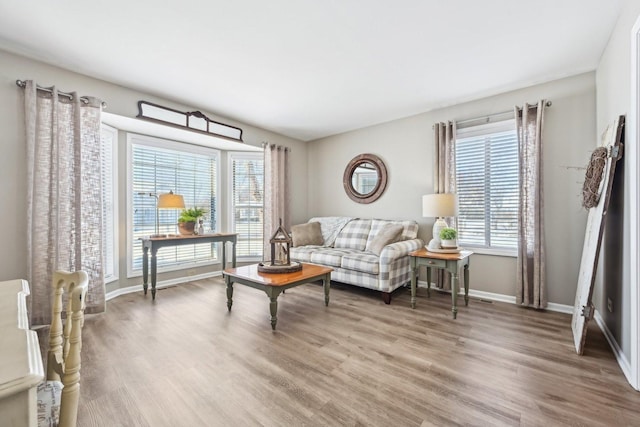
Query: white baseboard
{"type": "Point", "coordinates": [617, 351]}
{"type": "Point", "coordinates": [511, 299]}
{"type": "Point", "coordinates": [159, 285]}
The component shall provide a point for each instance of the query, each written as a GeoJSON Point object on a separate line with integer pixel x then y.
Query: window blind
{"type": "Point", "coordinates": [487, 185]}
{"type": "Point", "coordinates": [187, 171]}
{"type": "Point", "coordinates": [247, 203]}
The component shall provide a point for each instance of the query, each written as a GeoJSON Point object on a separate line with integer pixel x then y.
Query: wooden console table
{"type": "Point", "coordinates": [154, 243]}
{"type": "Point", "coordinates": [448, 262]}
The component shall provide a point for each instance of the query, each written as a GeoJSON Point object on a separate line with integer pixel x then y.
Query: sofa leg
{"type": "Point", "coordinates": [386, 297]}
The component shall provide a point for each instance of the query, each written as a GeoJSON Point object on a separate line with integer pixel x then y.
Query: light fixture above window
{"type": "Point", "coordinates": [195, 120]}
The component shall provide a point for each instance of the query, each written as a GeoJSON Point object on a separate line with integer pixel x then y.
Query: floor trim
{"type": "Point", "coordinates": [159, 285]}
{"type": "Point", "coordinates": [617, 351]}
{"type": "Point", "coordinates": [511, 299]}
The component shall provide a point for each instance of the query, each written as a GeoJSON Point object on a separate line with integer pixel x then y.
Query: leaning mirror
{"type": "Point", "coordinates": [365, 178]}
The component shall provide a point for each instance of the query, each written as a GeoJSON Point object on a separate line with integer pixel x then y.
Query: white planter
{"type": "Point", "coordinates": [449, 244]}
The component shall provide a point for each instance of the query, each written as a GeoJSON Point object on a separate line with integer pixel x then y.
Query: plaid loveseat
{"type": "Point", "coordinates": [346, 241]}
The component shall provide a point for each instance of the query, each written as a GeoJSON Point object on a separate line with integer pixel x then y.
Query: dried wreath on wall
{"type": "Point", "coordinates": [592, 187]}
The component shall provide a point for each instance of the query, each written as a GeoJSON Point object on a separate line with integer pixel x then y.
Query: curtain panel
{"type": "Point", "coordinates": [531, 286]}
{"type": "Point", "coordinates": [444, 179]}
{"type": "Point", "coordinates": [64, 196]}
{"type": "Point", "coordinates": [277, 198]}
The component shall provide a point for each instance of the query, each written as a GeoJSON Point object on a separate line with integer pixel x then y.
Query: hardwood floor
{"type": "Point", "coordinates": [185, 361]}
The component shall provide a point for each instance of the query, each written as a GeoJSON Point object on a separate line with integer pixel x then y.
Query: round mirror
{"type": "Point", "coordinates": [365, 178]}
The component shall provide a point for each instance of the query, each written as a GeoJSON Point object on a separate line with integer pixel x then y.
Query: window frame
{"type": "Point", "coordinates": [231, 155]}
{"type": "Point", "coordinates": [479, 129]}
{"type": "Point", "coordinates": [167, 144]}
{"type": "Point", "coordinates": [114, 203]}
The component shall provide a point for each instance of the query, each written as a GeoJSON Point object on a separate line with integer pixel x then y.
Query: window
{"type": "Point", "coordinates": [109, 147]}
{"type": "Point", "coordinates": [159, 166]}
{"type": "Point", "coordinates": [247, 181]}
{"type": "Point", "coordinates": [487, 186]}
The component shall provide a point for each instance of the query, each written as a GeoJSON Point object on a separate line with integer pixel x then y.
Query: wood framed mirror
{"type": "Point", "coordinates": [365, 178]}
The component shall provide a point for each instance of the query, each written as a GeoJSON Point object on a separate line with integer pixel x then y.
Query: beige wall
{"type": "Point", "coordinates": [120, 100]}
{"type": "Point", "coordinates": [613, 78]}
{"type": "Point", "coordinates": [406, 146]}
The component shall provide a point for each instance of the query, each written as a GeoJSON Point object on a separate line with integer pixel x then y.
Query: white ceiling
{"type": "Point", "coordinates": [311, 68]}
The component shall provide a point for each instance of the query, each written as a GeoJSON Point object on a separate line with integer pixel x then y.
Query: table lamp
{"type": "Point", "coordinates": [439, 206]}
{"type": "Point", "coordinates": [165, 201]}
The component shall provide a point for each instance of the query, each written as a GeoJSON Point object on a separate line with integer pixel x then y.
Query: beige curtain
{"type": "Point", "coordinates": [444, 179]}
{"type": "Point", "coordinates": [277, 199]}
{"type": "Point", "coordinates": [64, 198]}
{"type": "Point", "coordinates": [531, 287]}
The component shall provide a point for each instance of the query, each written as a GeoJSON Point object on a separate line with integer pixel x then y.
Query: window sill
{"type": "Point", "coordinates": [492, 251]}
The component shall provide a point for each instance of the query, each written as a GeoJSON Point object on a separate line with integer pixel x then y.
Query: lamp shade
{"type": "Point", "coordinates": [170, 201]}
{"type": "Point", "coordinates": [439, 205]}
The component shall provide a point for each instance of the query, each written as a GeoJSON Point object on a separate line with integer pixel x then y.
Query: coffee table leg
{"type": "Point", "coordinates": [326, 284]}
{"type": "Point", "coordinates": [227, 279]}
{"type": "Point", "coordinates": [273, 307]}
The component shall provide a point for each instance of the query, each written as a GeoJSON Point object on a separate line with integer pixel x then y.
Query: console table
{"type": "Point", "coordinates": [153, 244]}
{"type": "Point", "coordinates": [21, 369]}
{"type": "Point", "coordinates": [449, 262]}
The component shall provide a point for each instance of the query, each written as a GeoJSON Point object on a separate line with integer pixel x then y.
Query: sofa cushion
{"type": "Point", "coordinates": [303, 253]}
{"type": "Point", "coordinates": [361, 261]}
{"type": "Point", "coordinates": [409, 230]}
{"type": "Point", "coordinates": [330, 226]}
{"type": "Point", "coordinates": [354, 235]}
{"type": "Point", "coordinates": [328, 256]}
{"type": "Point", "coordinates": [307, 234]}
{"type": "Point", "coordinates": [389, 233]}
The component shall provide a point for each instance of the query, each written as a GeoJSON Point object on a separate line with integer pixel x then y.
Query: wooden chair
{"type": "Point", "coordinates": [58, 396]}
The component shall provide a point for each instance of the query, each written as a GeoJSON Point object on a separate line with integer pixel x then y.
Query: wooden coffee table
{"type": "Point", "coordinates": [273, 284]}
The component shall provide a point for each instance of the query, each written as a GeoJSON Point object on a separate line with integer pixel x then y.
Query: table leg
{"type": "Point", "coordinates": [273, 293]}
{"type": "Point", "coordinates": [233, 253]}
{"type": "Point", "coordinates": [414, 279]}
{"type": "Point", "coordinates": [428, 282]}
{"type": "Point", "coordinates": [466, 284]}
{"type": "Point", "coordinates": [154, 271]}
{"type": "Point", "coordinates": [145, 268]}
{"type": "Point", "coordinates": [224, 255]}
{"type": "Point", "coordinates": [454, 293]}
{"type": "Point", "coordinates": [229, 283]}
{"type": "Point", "coordinates": [326, 284]}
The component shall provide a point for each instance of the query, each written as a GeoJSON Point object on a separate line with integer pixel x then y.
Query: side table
{"type": "Point", "coordinates": [448, 262]}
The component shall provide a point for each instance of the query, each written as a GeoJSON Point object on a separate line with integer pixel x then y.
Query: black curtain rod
{"type": "Point", "coordinates": [487, 119]}
{"type": "Point", "coordinates": [22, 84]}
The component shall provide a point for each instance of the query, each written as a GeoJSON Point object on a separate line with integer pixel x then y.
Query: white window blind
{"type": "Point", "coordinates": [109, 141]}
{"type": "Point", "coordinates": [160, 166]}
{"type": "Point", "coordinates": [487, 185]}
{"type": "Point", "coordinates": [247, 202]}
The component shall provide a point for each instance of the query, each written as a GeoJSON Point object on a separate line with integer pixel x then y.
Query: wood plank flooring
{"type": "Point", "coordinates": [185, 361]}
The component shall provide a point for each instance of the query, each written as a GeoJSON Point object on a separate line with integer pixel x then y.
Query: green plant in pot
{"type": "Point", "coordinates": [188, 219]}
{"type": "Point", "coordinates": [448, 238]}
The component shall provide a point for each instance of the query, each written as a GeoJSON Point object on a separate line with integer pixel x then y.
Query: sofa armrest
{"type": "Point", "coordinates": [399, 249]}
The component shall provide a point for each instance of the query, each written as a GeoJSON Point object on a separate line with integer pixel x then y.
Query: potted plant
{"type": "Point", "coordinates": [448, 238]}
{"type": "Point", "coordinates": [187, 220]}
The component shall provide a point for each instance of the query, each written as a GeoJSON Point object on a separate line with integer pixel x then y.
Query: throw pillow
{"type": "Point", "coordinates": [307, 234]}
{"type": "Point", "coordinates": [387, 235]}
